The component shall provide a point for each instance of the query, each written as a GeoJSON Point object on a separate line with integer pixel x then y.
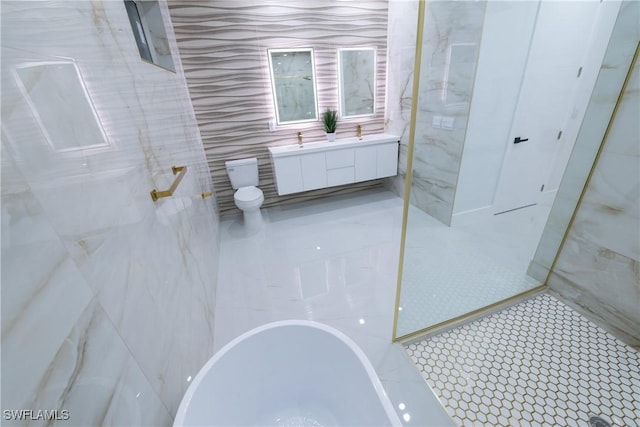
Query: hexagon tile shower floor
{"type": "Point", "coordinates": [537, 363]}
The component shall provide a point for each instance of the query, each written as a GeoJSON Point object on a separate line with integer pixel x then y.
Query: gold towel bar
{"type": "Point", "coordinates": [180, 171]}
{"type": "Point", "coordinates": [207, 194]}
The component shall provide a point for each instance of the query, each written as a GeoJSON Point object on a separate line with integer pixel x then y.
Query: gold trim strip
{"type": "Point", "coordinates": [595, 162]}
{"type": "Point", "coordinates": [448, 324]}
{"type": "Point", "coordinates": [409, 170]}
{"type": "Point", "coordinates": [473, 315]}
{"type": "Point", "coordinates": [180, 172]}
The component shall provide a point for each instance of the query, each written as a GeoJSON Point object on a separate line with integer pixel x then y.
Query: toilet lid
{"type": "Point", "coordinates": [248, 193]}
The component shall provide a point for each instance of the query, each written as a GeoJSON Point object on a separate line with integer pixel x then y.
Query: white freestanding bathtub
{"type": "Point", "coordinates": [289, 373]}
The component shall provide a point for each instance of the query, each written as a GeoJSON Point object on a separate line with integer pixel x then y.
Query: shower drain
{"type": "Point", "coordinates": [598, 422]}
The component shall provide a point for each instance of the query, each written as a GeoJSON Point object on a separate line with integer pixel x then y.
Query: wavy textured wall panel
{"type": "Point", "coordinates": [223, 47]}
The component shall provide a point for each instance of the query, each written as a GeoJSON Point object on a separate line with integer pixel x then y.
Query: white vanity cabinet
{"type": "Point", "coordinates": [290, 175]}
{"type": "Point", "coordinates": [326, 164]}
{"type": "Point", "coordinates": [387, 160]}
{"type": "Point", "coordinates": [367, 162]}
{"type": "Point", "coordinates": [313, 169]}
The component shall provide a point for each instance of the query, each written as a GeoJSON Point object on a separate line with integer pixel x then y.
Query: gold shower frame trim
{"type": "Point", "coordinates": [409, 169]}
{"type": "Point", "coordinates": [499, 305]}
{"type": "Point", "coordinates": [180, 172]}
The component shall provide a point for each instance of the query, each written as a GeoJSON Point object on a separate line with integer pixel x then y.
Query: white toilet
{"type": "Point", "coordinates": [243, 175]}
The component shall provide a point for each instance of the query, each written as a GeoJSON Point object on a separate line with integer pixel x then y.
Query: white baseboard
{"type": "Point", "coordinates": [547, 197]}
{"type": "Point", "coordinates": [471, 216]}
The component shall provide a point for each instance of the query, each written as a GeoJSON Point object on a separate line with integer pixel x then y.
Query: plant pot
{"type": "Point", "coordinates": [331, 137]}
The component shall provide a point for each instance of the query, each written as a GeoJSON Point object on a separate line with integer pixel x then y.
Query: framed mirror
{"type": "Point", "coordinates": [293, 84]}
{"type": "Point", "coordinates": [357, 81]}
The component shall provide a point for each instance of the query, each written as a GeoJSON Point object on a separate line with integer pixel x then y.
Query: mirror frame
{"type": "Point", "coordinates": [341, 89]}
{"type": "Point", "coordinates": [274, 91]}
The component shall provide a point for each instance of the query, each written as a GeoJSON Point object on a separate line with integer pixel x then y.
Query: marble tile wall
{"type": "Point", "coordinates": [107, 297]}
{"type": "Point", "coordinates": [223, 46]}
{"type": "Point", "coordinates": [598, 267]}
{"type": "Point", "coordinates": [450, 48]}
{"type": "Point", "coordinates": [401, 45]}
{"type": "Point", "coordinates": [445, 91]}
{"type": "Point", "coordinates": [615, 66]}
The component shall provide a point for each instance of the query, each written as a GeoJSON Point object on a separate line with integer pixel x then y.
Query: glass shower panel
{"type": "Point", "coordinates": [434, 257]}
{"type": "Point", "coordinates": [478, 63]}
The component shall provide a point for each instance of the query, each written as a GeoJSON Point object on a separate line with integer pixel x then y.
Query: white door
{"type": "Point", "coordinates": [547, 93]}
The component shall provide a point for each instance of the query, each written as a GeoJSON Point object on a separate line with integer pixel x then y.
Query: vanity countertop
{"type": "Point", "coordinates": [316, 146]}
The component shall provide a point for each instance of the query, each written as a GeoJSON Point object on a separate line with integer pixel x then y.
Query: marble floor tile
{"type": "Point", "coordinates": [451, 271]}
{"type": "Point", "coordinates": [335, 261]}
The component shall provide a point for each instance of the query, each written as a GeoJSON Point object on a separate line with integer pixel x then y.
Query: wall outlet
{"type": "Point", "coordinates": [436, 122]}
{"type": "Point", "coordinates": [272, 125]}
{"type": "Point", "coordinates": [447, 122]}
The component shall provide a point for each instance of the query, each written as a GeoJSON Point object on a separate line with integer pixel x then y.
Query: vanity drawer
{"type": "Point", "coordinates": [340, 176]}
{"type": "Point", "coordinates": [340, 158]}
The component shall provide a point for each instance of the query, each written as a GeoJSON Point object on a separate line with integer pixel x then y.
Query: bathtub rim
{"type": "Point", "coordinates": [362, 357]}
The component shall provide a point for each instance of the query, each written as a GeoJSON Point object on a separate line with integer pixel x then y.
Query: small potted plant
{"type": "Point", "coordinates": [330, 123]}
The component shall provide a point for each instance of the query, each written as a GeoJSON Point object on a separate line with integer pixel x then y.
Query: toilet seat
{"type": "Point", "coordinates": [250, 196]}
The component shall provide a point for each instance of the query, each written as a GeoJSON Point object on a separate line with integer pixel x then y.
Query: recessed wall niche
{"type": "Point", "coordinates": [149, 32]}
{"type": "Point", "coordinates": [61, 105]}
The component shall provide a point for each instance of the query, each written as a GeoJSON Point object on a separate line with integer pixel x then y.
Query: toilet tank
{"type": "Point", "coordinates": [243, 173]}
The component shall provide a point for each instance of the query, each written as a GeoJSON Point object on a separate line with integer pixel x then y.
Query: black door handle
{"type": "Point", "coordinates": [518, 140]}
